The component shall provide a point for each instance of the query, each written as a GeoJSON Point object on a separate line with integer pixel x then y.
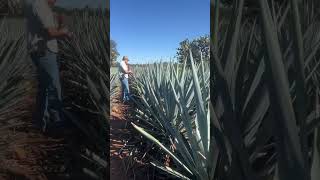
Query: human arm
{"type": "Point", "coordinates": [47, 19]}
{"type": "Point", "coordinates": [125, 68]}
{"type": "Point", "coordinates": [58, 33]}
{"type": "Point", "coordinates": [130, 72]}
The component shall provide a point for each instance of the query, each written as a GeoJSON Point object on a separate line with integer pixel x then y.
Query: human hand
{"type": "Point", "coordinates": [67, 32]}
{"type": "Point", "coordinates": [70, 34]}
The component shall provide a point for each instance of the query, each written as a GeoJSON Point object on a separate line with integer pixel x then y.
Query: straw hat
{"type": "Point", "coordinates": [125, 58]}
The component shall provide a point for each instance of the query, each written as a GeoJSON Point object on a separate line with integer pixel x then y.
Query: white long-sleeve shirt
{"type": "Point", "coordinates": [39, 17]}
{"type": "Point", "coordinates": [124, 66]}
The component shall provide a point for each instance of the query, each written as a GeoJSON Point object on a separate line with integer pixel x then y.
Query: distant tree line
{"type": "Point", "coordinates": [198, 46]}
{"type": "Point", "coordinates": [114, 52]}
{"type": "Point", "coordinates": [11, 7]}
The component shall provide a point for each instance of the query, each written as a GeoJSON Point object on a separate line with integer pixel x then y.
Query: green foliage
{"type": "Point", "coordinates": [172, 111]}
{"type": "Point", "coordinates": [14, 70]}
{"type": "Point", "coordinates": [199, 46]}
{"type": "Point", "coordinates": [11, 7]}
{"type": "Point", "coordinates": [265, 92]}
{"type": "Point", "coordinates": [114, 51]}
{"type": "Point", "coordinates": [85, 65]}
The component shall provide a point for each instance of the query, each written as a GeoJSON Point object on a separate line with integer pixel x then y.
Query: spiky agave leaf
{"type": "Point", "coordinates": [249, 89]}
{"type": "Point", "coordinates": [173, 103]}
{"type": "Point", "coordinates": [14, 70]}
{"type": "Point", "coordinates": [85, 62]}
{"type": "Point", "coordinates": [15, 86]}
{"type": "Point", "coordinates": [113, 85]}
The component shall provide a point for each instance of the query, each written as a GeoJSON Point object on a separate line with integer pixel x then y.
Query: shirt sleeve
{"type": "Point", "coordinates": [123, 66]}
{"type": "Point", "coordinates": [43, 11]}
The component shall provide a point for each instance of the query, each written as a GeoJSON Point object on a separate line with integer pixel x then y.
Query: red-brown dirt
{"type": "Point", "coordinates": [118, 131]}
{"type": "Point", "coordinates": [123, 165]}
{"type": "Point", "coordinates": [27, 154]}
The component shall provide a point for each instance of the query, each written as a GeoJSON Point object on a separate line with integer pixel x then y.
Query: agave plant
{"type": "Point", "coordinates": [14, 70]}
{"type": "Point", "coordinates": [12, 7]}
{"type": "Point", "coordinates": [265, 75]}
{"type": "Point", "coordinates": [15, 6]}
{"type": "Point", "coordinates": [85, 64]}
{"type": "Point", "coordinates": [15, 86]}
{"type": "Point", "coordinates": [173, 106]}
{"type": "Point", "coordinates": [113, 85]}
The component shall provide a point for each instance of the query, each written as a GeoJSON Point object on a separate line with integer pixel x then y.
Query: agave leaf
{"type": "Point", "coordinates": [150, 137]}
{"type": "Point", "coordinates": [169, 170]}
{"type": "Point", "coordinates": [216, 23]}
{"type": "Point", "coordinates": [201, 124]}
{"type": "Point", "coordinates": [315, 166]}
{"type": "Point", "coordinates": [281, 101]}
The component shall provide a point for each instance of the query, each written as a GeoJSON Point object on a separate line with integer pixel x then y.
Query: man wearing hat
{"type": "Point", "coordinates": [42, 35]}
{"type": "Point", "coordinates": [124, 72]}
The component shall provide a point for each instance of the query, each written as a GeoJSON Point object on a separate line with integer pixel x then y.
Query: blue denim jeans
{"type": "Point", "coordinates": [125, 89]}
{"type": "Point", "coordinates": [49, 99]}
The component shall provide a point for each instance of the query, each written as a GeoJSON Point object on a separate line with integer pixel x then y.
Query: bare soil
{"type": "Point", "coordinates": [27, 154]}
{"type": "Point", "coordinates": [123, 165]}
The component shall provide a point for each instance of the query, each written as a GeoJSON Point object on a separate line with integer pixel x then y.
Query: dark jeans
{"type": "Point", "coordinates": [49, 99]}
{"type": "Point", "coordinates": [125, 89]}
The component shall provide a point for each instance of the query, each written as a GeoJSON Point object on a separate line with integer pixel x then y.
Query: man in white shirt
{"type": "Point", "coordinates": [124, 72]}
{"type": "Point", "coordinates": [42, 35]}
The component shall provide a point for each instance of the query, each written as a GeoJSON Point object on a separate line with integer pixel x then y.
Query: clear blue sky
{"type": "Point", "coordinates": [146, 30]}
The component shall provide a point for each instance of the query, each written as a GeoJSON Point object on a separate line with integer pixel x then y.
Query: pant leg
{"type": "Point", "coordinates": [41, 115]}
{"type": "Point", "coordinates": [122, 89]}
{"type": "Point", "coordinates": [127, 85]}
{"type": "Point", "coordinates": [49, 98]}
{"type": "Point", "coordinates": [126, 89]}
{"type": "Point", "coordinates": [54, 89]}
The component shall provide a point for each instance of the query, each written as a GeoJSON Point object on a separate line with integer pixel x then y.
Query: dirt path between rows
{"type": "Point", "coordinates": [124, 165]}
{"type": "Point", "coordinates": [118, 134]}
{"type": "Point", "coordinates": [26, 153]}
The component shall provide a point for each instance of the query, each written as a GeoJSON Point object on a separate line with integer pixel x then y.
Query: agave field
{"type": "Point", "coordinates": [170, 118]}
{"type": "Point", "coordinates": [251, 114]}
{"type": "Point", "coordinates": [84, 68]}
{"type": "Point", "coordinates": [265, 95]}
{"type": "Point", "coordinates": [173, 114]}
{"type": "Point", "coordinates": [10, 7]}
{"type": "Point", "coordinates": [16, 87]}
{"type": "Point", "coordinates": [259, 121]}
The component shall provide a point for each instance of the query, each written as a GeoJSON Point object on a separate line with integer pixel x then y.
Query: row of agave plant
{"type": "Point", "coordinates": [265, 94]}
{"type": "Point", "coordinates": [113, 85]}
{"type": "Point", "coordinates": [15, 87]}
{"type": "Point", "coordinates": [85, 67]}
{"type": "Point", "coordinates": [14, 70]}
{"type": "Point", "coordinates": [12, 7]}
{"type": "Point", "coordinates": [262, 120]}
{"type": "Point", "coordinates": [173, 113]}
{"type": "Point", "coordinates": [85, 70]}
